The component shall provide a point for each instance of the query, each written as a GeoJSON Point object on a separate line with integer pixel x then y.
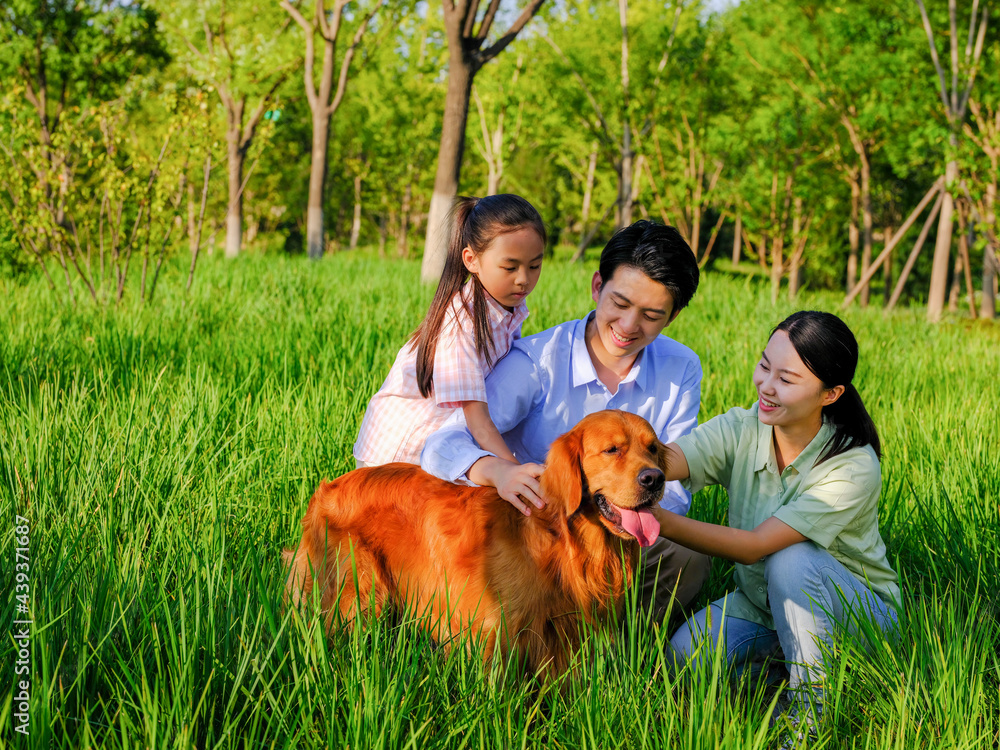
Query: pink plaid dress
{"type": "Point", "coordinates": [398, 419]}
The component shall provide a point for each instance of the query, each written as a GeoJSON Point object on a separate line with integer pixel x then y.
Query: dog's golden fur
{"type": "Point", "coordinates": [464, 557]}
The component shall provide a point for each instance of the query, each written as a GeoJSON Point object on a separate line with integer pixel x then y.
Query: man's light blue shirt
{"type": "Point", "coordinates": [547, 383]}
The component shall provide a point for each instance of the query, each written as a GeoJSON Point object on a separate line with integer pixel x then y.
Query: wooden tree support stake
{"type": "Point", "coordinates": [917, 247]}
{"type": "Point", "coordinates": [870, 272]}
{"type": "Point", "coordinates": [711, 240]}
{"type": "Point", "coordinates": [585, 240]}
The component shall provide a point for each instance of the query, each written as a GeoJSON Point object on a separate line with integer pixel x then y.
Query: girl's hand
{"type": "Point", "coordinates": [518, 485]}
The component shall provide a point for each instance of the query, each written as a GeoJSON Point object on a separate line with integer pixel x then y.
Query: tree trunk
{"type": "Point", "coordinates": [234, 217]}
{"type": "Point", "coordinates": [777, 267]}
{"type": "Point", "coordinates": [794, 277]}
{"type": "Point", "coordinates": [323, 103]}
{"type": "Point", "coordinates": [866, 226]}
{"type": "Point", "coordinates": [955, 101]}
{"type": "Point", "coordinates": [581, 249]}
{"type": "Point", "coordinates": [633, 196]}
{"type": "Point", "coordinates": [625, 174]}
{"type": "Point", "coordinates": [696, 228]}
{"type": "Point", "coordinates": [465, 57]}
{"type": "Point", "coordinates": [588, 190]}
{"type": "Point", "coordinates": [737, 234]}
{"type": "Point", "coordinates": [449, 165]}
{"type": "Point", "coordinates": [988, 302]}
{"type": "Point", "coordinates": [492, 148]}
{"type": "Point", "coordinates": [356, 223]}
{"type": "Point", "coordinates": [967, 240]}
{"type": "Point", "coordinates": [793, 261]}
{"type": "Point", "coordinates": [403, 238]}
{"type": "Point", "coordinates": [712, 237]}
{"type": "Point", "coordinates": [887, 270]}
{"type": "Point", "coordinates": [956, 279]}
{"type": "Point", "coordinates": [942, 246]}
{"type": "Point", "coordinates": [315, 241]}
{"type": "Point", "coordinates": [253, 225]}
{"type": "Point", "coordinates": [853, 236]}
{"type": "Point", "coordinates": [192, 228]}
{"type": "Point", "coordinates": [960, 270]}
{"type": "Point", "coordinates": [624, 212]}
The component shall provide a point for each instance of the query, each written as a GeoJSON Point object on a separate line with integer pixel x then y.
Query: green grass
{"type": "Point", "coordinates": [165, 454]}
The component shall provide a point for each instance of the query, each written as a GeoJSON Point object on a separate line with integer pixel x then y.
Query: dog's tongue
{"type": "Point", "coordinates": [640, 524]}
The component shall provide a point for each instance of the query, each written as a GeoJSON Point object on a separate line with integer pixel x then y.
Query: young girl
{"type": "Point", "coordinates": [802, 470]}
{"type": "Point", "coordinates": [497, 244]}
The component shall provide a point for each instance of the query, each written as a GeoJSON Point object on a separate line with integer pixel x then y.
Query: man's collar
{"type": "Point", "coordinates": [583, 366]}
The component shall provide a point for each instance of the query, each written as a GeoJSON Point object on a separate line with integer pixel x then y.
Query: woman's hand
{"type": "Point", "coordinates": [516, 483]}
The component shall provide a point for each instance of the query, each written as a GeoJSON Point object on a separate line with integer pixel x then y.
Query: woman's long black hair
{"type": "Point", "coordinates": [827, 347]}
{"type": "Point", "coordinates": [476, 222]}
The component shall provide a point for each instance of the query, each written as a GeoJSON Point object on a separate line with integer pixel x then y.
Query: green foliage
{"type": "Point", "coordinates": [13, 261]}
{"type": "Point", "coordinates": [389, 126]}
{"type": "Point", "coordinates": [241, 44]}
{"type": "Point", "coordinates": [164, 456]}
{"type": "Point", "coordinates": [76, 73]}
{"type": "Point", "coordinates": [761, 90]}
{"type": "Point", "coordinates": [84, 51]}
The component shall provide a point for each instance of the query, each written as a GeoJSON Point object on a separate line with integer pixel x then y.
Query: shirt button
{"type": "Point", "coordinates": [760, 589]}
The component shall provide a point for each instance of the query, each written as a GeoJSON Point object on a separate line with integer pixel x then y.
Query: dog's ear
{"type": "Point", "coordinates": [662, 456]}
{"type": "Point", "coordinates": [562, 482]}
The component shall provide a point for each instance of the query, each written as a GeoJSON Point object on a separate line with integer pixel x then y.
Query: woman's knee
{"type": "Point", "coordinates": [788, 569]}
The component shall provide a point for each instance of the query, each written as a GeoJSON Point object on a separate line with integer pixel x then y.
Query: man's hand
{"type": "Point", "coordinates": [515, 483]}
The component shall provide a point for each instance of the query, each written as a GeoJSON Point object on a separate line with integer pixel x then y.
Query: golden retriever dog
{"type": "Point", "coordinates": [471, 564]}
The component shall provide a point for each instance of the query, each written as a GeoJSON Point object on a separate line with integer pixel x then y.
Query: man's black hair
{"type": "Point", "coordinates": [660, 253]}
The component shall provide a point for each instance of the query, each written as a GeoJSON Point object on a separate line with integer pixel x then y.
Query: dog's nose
{"type": "Point", "coordinates": [651, 479]}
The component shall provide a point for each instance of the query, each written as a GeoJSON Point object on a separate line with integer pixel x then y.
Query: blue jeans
{"type": "Point", "coordinates": [812, 596]}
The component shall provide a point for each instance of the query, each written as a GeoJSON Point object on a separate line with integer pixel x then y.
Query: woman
{"type": "Point", "coordinates": [802, 470]}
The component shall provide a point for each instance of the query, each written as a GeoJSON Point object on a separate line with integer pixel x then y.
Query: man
{"type": "Point", "coordinates": [614, 358]}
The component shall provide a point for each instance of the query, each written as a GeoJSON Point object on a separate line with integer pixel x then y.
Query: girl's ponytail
{"type": "Point", "coordinates": [475, 223]}
{"type": "Point", "coordinates": [452, 278]}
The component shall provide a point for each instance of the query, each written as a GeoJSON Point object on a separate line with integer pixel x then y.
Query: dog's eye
{"type": "Point", "coordinates": [612, 450]}
{"type": "Point", "coordinates": [652, 448]}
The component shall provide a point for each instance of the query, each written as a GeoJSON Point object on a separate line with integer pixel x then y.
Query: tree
{"type": "Point", "coordinates": [67, 66]}
{"type": "Point", "coordinates": [241, 50]}
{"type": "Point", "coordinates": [389, 124]}
{"type": "Point", "coordinates": [466, 56]}
{"type": "Point", "coordinates": [955, 100]}
{"type": "Point", "coordinates": [618, 117]}
{"type": "Point", "coordinates": [684, 155]}
{"type": "Point", "coordinates": [325, 101]}
{"type": "Point", "coordinates": [774, 147]}
{"type": "Point", "coordinates": [497, 142]}
{"type": "Point", "coordinates": [828, 43]}
{"type": "Point", "coordinates": [986, 137]}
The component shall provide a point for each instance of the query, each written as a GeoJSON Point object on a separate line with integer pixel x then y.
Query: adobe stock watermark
{"type": "Point", "coordinates": [21, 628]}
